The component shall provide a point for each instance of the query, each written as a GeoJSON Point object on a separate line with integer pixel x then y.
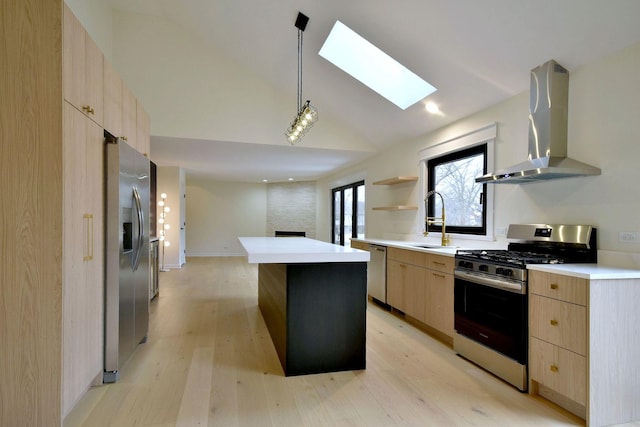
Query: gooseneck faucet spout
{"type": "Point", "coordinates": [435, 220]}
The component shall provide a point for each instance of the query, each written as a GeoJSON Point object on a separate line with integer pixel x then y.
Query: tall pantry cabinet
{"type": "Point", "coordinates": [83, 210]}
{"type": "Point", "coordinates": [31, 213]}
{"type": "Point", "coordinates": [52, 114]}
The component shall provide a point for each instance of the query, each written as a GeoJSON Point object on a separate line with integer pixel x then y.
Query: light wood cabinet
{"type": "Point", "coordinates": [558, 335]}
{"type": "Point", "coordinates": [52, 300]}
{"type": "Point", "coordinates": [584, 350]}
{"type": "Point", "coordinates": [143, 139]}
{"type": "Point", "coordinates": [439, 300]}
{"type": "Point", "coordinates": [563, 288]}
{"type": "Point", "coordinates": [129, 117]}
{"type": "Point", "coordinates": [83, 69]}
{"type": "Point", "coordinates": [421, 285]}
{"type": "Point", "coordinates": [559, 323]}
{"type": "Point", "coordinates": [112, 100]}
{"type": "Point", "coordinates": [125, 116]}
{"type": "Point", "coordinates": [83, 265]}
{"type": "Point", "coordinates": [413, 280]}
{"type": "Point", "coordinates": [407, 256]}
{"type": "Point", "coordinates": [405, 281]}
{"type": "Point", "coordinates": [360, 245]}
{"type": "Point", "coordinates": [54, 321]}
{"type": "Point", "coordinates": [395, 283]}
{"type": "Point", "coordinates": [559, 369]}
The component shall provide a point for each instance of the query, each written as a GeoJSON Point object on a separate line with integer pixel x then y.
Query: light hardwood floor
{"type": "Point", "coordinates": [209, 360]}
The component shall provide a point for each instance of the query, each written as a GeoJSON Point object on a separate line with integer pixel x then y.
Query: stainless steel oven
{"type": "Point", "coordinates": [491, 321]}
{"type": "Point", "coordinates": [491, 296]}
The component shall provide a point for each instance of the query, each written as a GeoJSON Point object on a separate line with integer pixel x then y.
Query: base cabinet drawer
{"type": "Point", "coordinates": [564, 288]}
{"type": "Point", "coordinates": [558, 322]}
{"type": "Point", "coordinates": [407, 256]}
{"type": "Point", "coordinates": [559, 369]}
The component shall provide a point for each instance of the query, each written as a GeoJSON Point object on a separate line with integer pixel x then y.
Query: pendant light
{"type": "Point", "coordinates": [307, 115]}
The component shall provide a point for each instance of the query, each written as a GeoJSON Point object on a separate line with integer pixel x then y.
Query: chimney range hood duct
{"type": "Point", "coordinates": [547, 133]}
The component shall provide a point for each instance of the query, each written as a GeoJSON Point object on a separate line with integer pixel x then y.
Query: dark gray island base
{"type": "Point", "coordinates": [315, 314]}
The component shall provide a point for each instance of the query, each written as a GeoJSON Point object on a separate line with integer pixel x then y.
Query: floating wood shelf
{"type": "Point", "coordinates": [396, 208]}
{"type": "Point", "coordinates": [396, 180]}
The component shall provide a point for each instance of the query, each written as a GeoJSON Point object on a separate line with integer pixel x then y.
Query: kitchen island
{"type": "Point", "coordinates": [313, 297]}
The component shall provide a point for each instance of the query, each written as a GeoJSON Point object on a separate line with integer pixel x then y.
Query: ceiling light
{"type": "Point", "coordinates": [350, 52]}
{"type": "Point", "coordinates": [432, 107]}
{"type": "Point", "coordinates": [307, 115]}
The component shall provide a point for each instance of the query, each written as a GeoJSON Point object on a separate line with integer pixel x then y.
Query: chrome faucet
{"type": "Point", "coordinates": [434, 220]}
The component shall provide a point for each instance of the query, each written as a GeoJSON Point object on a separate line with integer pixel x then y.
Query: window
{"type": "Point", "coordinates": [450, 167]}
{"type": "Point", "coordinates": [453, 176]}
{"type": "Point", "coordinates": [348, 213]}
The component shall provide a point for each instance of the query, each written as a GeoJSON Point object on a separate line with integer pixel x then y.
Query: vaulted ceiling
{"type": "Point", "coordinates": [476, 53]}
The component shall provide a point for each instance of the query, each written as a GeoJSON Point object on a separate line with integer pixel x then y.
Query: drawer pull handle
{"type": "Point", "coordinates": [553, 368]}
{"type": "Point", "coordinates": [438, 263]}
{"type": "Point", "coordinates": [88, 109]}
{"type": "Point", "coordinates": [554, 322]}
{"type": "Point", "coordinates": [442, 276]}
{"type": "Point", "coordinates": [554, 286]}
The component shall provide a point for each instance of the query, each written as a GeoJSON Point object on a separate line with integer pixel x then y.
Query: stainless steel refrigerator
{"type": "Point", "coordinates": [127, 254]}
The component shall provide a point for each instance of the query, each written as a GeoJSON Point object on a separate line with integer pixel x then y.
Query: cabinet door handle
{"type": "Point", "coordinates": [88, 109]}
{"type": "Point", "coordinates": [124, 138]}
{"type": "Point", "coordinates": [554, 322]}
{"type": "Point", "coordinates": [553, 368]}
{"type": "Point", "coordinates": [442, 276]}
{"type": "Point", "coordinates": [88, 237]}
{"type": "Point", "coordinates": [554, 286]}
{"type": "Point", "coordinates": [439, 263]}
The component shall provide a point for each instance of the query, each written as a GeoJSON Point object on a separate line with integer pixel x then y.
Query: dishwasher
{"type": "Point", "coordinates": [377, 273]}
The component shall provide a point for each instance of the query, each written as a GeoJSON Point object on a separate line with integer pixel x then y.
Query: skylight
{"type": "Point", "coordinates": [348, 51]}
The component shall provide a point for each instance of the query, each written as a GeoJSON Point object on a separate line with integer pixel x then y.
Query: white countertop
{"type": "Point", "coordinates": [414, 246]}
{"type": "Point", "coordinates": [587, 271]}
{"type": "Point", "coordinates": [290, 250]}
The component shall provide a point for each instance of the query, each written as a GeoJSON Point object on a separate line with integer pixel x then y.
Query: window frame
{"type": "Point", "coordinates": [484, 135]}
{"type": "Point", "coordinates": [431, 184]}
{"type": "Point", "coordinates": [354, 209]}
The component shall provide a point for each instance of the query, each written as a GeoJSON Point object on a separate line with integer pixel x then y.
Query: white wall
{"type": "Point", "coordinates": [604, 110]}
{"type": "Point", "coordinates": [220, 212]}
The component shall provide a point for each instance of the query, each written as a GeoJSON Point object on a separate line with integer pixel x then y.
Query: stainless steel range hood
{"type": "Point", "coordinates": [547, 133]}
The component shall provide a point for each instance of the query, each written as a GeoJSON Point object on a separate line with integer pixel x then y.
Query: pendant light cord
{"type": "Point", "coordinates": [299, 69]}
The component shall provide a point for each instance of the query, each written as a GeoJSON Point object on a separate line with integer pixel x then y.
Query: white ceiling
{"type": "Point", "coordinates": [476, 53]}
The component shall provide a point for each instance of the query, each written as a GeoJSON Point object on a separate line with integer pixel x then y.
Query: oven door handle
{"type": "Point", "coordinates": [518, 288]}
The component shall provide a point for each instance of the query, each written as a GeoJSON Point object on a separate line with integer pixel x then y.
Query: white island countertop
{"type": "Point", "coordinates": [290, 250]}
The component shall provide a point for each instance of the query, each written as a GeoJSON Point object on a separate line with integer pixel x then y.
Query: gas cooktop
{"type": "Point", "coordinates": [510, 257]}
{"type": "Point", "coordinates": [539, 244]}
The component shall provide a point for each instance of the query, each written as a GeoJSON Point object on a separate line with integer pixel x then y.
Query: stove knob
{"type": "Point", "coordinates": [465, 264]}
{"type": "Point", "coordinates": [483, 267]}
{"type": "Point", "coordinates": [499, 270]}
{"type": "Point", "coordinates": [508, 272]}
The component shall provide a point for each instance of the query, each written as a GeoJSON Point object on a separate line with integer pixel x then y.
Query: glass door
{"type": "Point", "coordinates": [348, 213]}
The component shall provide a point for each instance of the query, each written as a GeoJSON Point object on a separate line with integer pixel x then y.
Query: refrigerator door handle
{"type": "Point", "coordinates": [136, 198]}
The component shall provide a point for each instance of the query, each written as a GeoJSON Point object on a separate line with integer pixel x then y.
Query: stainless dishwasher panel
{"type": "Point", "coordinates": [377, 273]}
